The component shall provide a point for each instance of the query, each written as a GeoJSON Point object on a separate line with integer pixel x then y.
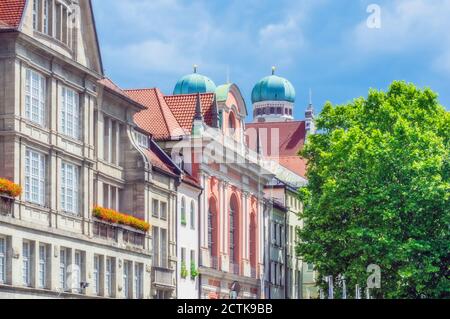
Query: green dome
{"type": "Point", "coordinates": [273, 88]}
{"type": "Point", "coordinates": [194, 83]}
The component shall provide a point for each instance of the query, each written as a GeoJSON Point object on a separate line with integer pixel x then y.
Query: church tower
{"type": "Point", "coordinates": [273, 99]}
{"type": "Point", "coordinates": [309, 117]}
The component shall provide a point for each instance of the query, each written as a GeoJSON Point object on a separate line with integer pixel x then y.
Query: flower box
{"type": "Point", "coordinates": [112, 216]}
{"type": "Point", "coordinates": [10, 189]}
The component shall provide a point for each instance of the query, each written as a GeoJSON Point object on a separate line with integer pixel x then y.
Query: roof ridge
{"type": "Point", "coordinates": [141, 89]}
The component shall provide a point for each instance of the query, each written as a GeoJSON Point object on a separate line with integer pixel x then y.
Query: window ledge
{"type": "Point", "coordinates": [54, 40]}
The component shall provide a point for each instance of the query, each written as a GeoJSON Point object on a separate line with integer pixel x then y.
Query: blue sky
{"type": "Point", "coordinates": [324, 45]}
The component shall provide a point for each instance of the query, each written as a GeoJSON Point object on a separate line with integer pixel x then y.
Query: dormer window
{"type": "Point", "coordinates": [52, 18]}
{"type": "Point", "coordinates": [141, 139]}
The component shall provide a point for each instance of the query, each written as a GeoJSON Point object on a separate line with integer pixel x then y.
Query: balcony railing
{"type": "Point", "coordinates": [162, 276]}
{"type": "Point", "coordinates": [6, 205]}
{"type": "Point", "coordinates": [105, 231]}
{"type": "Point", "coordinates": [133, 238]}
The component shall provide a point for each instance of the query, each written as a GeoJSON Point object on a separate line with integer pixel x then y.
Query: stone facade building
{"type": "Point", "coordinates": [134, 193]}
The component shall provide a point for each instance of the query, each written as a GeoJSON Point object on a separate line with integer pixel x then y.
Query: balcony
{"type": "Point", "coordinates": [162, 277]}
{"type": "Point", "coordinates": [110, 232]}
{"type": "Point", "coordinates": [133, 238]}
{"type": "Point", "coordinates": [6, 205]}
{"type": "Point", "coordinates": [105, 231]}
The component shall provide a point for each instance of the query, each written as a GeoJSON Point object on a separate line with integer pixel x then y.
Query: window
{"type": "Point", "coordinates": [111, 196]}
{"type": "Point", "coordinates": [310, 267]}
{"type": "Point", "coordinates": [183, 255]}
{"type": "Point", "coordinates": [210, 233]}
{"type": "Point", "coordinates": [42, 266]}
{"type": "Point", "coordinates": [163, 211]}
{"type": "Point", "coordinates": [155, 208]}
{"type": "Point", "coordinates": [232, 233]}
{"type": "Point", "coordinates": [36, 14]}
{"type": "Point", "coordinates": [141, 139]}
{"type": "Point", "coordinates": [34, 177]}
{"type": "Point", "coordinates": [76, 280]}
{"type": "Point", "coordinates": [58, 20]}
{"type": "Point", "coordinates": [231, 123]}
{"type": "Point", "coordinates": [96, 275]}
{"type": "Point", "coordinates": [70, 113]}
{"type": "Point", "coordinates": [163, 246]}
{"type": "Point", "coordinates": [35, 97]}
{"type": "Point", "coordinates": [111, 146]}
{"type": "Point", "coordinates": [183, 211]}
{"type": "Point", "coordinates": [2, 260]}
{"type": "Point", "coordinates": [26, 263]}
{"type": "Point", "coordinates": [46, 16]}
{"type": "Point", "coordinates": [63, 269]}
{"type": "Point", "coordinates": [69, 188]}
{"type": "Point", "coordinates": [126, 279]}
{"type": "Point", "coordinates": [193, 257]}
{"type": "Point", "coordinates": [192, 217]}
{"type": "Point", "coordinates": [138, 273]}
{"type": "Point", "coordinates": [108, 277]}
{"type": "Point", "coordinates": [155, 246]}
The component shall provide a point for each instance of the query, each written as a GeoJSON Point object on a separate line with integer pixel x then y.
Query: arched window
{"type": "Point", "coordinates": [253, 240]}
{"type": "Point", "coordinates": [212, 230]}
{"type": "Point", "coordinates": [231, 124]}
{"type": "Point", "coordinates": [234, 230]}
{"type": "Point", "coordinates": [183, 211]}
{"type": "Point", "coordinates": [192, 217]}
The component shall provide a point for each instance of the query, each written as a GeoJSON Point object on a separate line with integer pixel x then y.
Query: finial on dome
{"type": "Point", "coordinates": [273, 70]}
{"type": "Point", "coordinates": [195, 68]}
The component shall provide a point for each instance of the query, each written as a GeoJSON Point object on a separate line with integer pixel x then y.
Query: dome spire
{"type": "Point", "coordinates": [273, 70]}
{"type": "Point", "coordinates": [195, 68]}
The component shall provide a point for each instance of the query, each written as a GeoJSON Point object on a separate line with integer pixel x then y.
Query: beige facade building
{"type": "Point", "coordinates": [68, 137]}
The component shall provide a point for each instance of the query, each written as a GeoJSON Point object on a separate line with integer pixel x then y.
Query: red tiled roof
{"type": "Point", "coordinates": [160, 162]}
{"type": "Point", "coordinates": [11, 12]}
{"type": "Point", "coordinates": [183, 108]}
{"type": "Point", "coordinates": [291, 139]}
{"type": "Point", "coordinates": [109, 84]}
{"type": "Point", "coordinates": [188, 179]}
{"type": "Point", "coordinates": [157, 119]}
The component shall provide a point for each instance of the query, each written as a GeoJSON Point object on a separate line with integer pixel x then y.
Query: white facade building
{"type": "Point", "coordinates": [188, 241]}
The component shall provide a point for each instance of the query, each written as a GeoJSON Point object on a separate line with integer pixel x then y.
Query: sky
{"type": "Point", "coordinates": [338, 49]}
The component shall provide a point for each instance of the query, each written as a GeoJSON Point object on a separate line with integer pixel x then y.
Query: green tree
{"type": "Point", "coordinates": [378, 193]}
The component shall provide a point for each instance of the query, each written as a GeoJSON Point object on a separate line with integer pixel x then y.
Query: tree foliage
{"type": "Point", "coordinates": [378, 193]}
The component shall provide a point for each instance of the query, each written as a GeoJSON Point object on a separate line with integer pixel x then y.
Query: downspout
{"type": "Point", "coordinates": [285, 254]}
{"type": "Point", "coordinates": [199, 245]}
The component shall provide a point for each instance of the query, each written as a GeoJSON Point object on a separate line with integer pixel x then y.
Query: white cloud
{"type": "Point", "coordinates": [284, 37]}
{"type": "Point", "coordinates": [408, 25]}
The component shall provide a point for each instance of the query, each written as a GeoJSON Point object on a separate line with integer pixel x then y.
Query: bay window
{"type": "Point", "coordinates": [69, 188]}
{"type": "Point", "coordinates": [34, 177]}
{"type": "Point", "coordinates": [35, 97]}
{"type": "Point", "coordinates": [70, 113]}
